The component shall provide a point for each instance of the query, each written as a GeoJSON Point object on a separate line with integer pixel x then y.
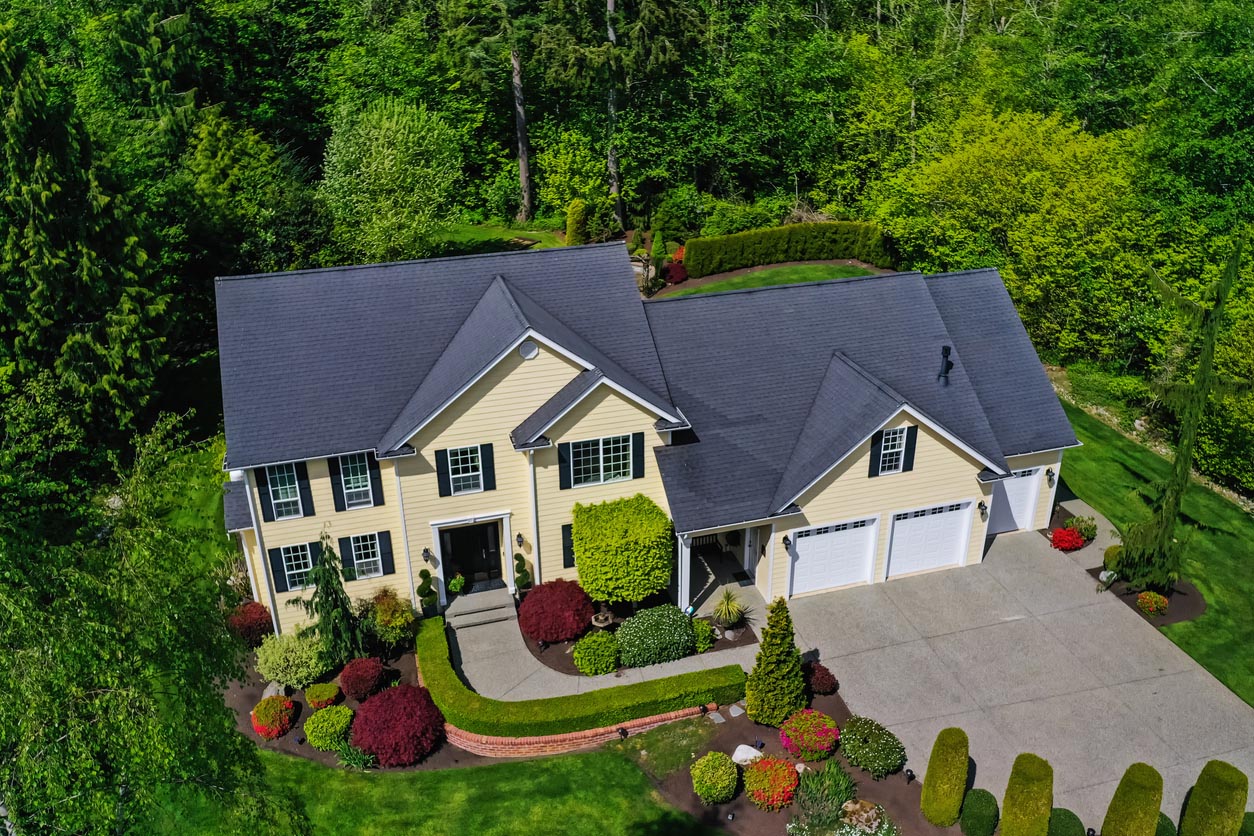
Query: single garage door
{"type": "Point", "coordinates": [832, 555]}
{"type": "Point", "coordinates": [929, 538]}
{"type": "Point", "coordinates": [1014, 502]}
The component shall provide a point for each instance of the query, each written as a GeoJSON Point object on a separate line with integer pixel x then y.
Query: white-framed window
{"type": "Point", "coordinates": [366, 559]}
{"type": "Point", "coordinates": [893, 451]}
{"type": "Point", "coordinates": [296, 565]}
{"type": "Point", "coordinates": [600, 460]}
{"type": "Point", "coordinates": [284, 491]}
{"type": "Point", "coordinates": [355, 479]}
{"type": "Point", "coordinates": [465, 469]}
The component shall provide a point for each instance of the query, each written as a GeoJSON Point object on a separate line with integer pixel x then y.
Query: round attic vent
{"type": "Point", "coordinates": [528, 349]}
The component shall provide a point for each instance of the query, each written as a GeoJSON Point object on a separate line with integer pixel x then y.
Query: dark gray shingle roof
{"type": "Point", "coordinates": [235, 506]}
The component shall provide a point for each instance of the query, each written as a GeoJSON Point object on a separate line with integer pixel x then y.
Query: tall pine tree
{"type": "Point", "coordinates": [776, 686]}
{"type": "Point", "coordinates": [334, 623]}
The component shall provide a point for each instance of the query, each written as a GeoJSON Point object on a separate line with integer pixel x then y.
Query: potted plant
{"type": "Point", "coordinates": [457, 583]}
{"type": "Point", "coordinates": [730, 614]}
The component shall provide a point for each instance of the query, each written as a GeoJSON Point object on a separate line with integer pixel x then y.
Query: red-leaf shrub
{"type": "Point", "coordinates": [400, 726]}
{"type": "Point", "coordinates": [809, 735]}
{"type": "Point", "coordinates": [676, 273]}
{"type": "Point", "coordinates": [556, 611]}
{"type": "Point", "coordinates": [819, 678]}
{"type": "Point", "coordinates": [362, 677]}
{"type": "Point", "coordinates": [678, 255]}
{"type": "Point", "coordinates": [1067, 539]}
{"type": "Point", "coordinates": [1151, 603]}
{"type": "Point", "coordinates": [272, 717]}
{"type": "Point", "coordinates": [771, 783]}
{"type": "Point", "coordinates": [250, 621]}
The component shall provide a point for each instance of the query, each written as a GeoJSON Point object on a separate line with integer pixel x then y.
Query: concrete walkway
{"type": "Point", "coordinates": [1025, 655]}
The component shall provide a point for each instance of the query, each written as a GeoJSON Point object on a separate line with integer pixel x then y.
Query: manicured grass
{"type": "Point", "coordinates": [1113, 474]}
{"type": "Point", "coordinates": [669, 748]}
{"type": "Point", "coordinates": [790, 274]}
{"type": "Point", "coordinates": [466, 239]}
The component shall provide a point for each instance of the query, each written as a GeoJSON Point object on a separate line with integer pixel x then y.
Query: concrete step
{"type": "Point", "coordinates": [475, 619]}
{"type": "Point", "coordinates": [479, 602]}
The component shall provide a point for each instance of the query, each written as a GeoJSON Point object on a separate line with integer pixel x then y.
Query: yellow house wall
{"type": "Point", "coordinates": [1044, 494]}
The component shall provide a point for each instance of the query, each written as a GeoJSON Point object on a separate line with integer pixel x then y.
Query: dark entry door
{"type": "Point", "coordinates": [474, 551]}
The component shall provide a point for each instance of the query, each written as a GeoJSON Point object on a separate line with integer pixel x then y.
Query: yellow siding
{"type": "Point", "coordinates": [1045, 493]}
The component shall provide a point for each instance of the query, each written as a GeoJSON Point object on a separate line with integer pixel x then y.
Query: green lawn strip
{"type": "Point", "coordinates": [790, 274]}
{"type": "Point", "coordinates": [1112, 473]}
{"type": "Point", "coordinates": [669, 748]}
{"type": "Point", "coordinates": [466, 239]}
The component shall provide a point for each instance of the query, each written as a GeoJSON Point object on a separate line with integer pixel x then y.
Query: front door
{"type": "Point", "coordinates": [474, 551]}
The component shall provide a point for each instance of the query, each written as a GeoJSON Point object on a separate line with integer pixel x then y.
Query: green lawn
{"type": "Point", "coordinates": [468, 239]}
{"type": "Point", "coordinates": [669, 748]}
{"type": "Point", "coordinates": [791, 274]}
{"type": "Point", "coordinates": [1112, 473]}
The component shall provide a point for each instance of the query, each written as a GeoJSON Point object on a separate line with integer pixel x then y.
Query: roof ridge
{"type": "Point", "coordinates": [870, 378]}
{"type": "Point", "coordinates": [721, 293]}
{"type": "Point", "coordinates": [499, 281]}
{"type": "Point", "coordinates": [968, 272]}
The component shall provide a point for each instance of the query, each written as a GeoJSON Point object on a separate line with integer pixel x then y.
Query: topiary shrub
{"type": "Point", "coordinates": [819, 679]}
{"type": "Point", "coordinates": [250, 622]}
{"type": "Point", "coordinates": [596, 654]}
{"type": "Point", "coordinates": [522, 577]}
{"type": "Point", "coordinates": [809, 735]}
{"type": "Point", "coordinates": [714, 778]}
{"type": "Point", "coordinates": [1134, 809]}
{"type": "Point", "coordinates": [979, 813]}
{"type": "Point", "coordinates": [362, 677]}
{"type": "Point", "coordinates": [322, 694]}
{"type": "Point", "coordinates": [1066, 539]}
{"type": "Point", "coordinates": [870, 746]}
{"type": "Point", "coordinates": [771, 783]}
{"type": "Point", "coordinates": [400, 726]}
{"type": "Point", "coordinates": [703, 631]}
{"type": "Point", "coordinates": [1029, 797]}
{"type": "Point", "coordinates": [622, 548]}
{"type": "Point", "coordinates": [658, 634]}
{"type": "Point", "coordinates": [272, 717]}
{"type": "Point", "coordinates": [821, 793]}
{"type": "Point", "coordinates": [776, 686]}
{"type": "Point", "coordinates": [946, 781]}
{"type": "Point", "coordinates": [1216, 806]}
{"type": "Point", "coordinates": [291, 659]}
{"type": "Point", "coordinates": [1151, 603]}
{"type": "Point", "coordinates": [576, 222]}
{"type": "Point", "coordinates": [389, 619]}
{"type": "Point", "coordinates": [556, 611]}
{"type": "Point", "coordinates": [1063, 822]}
{"type": "Point", "coordinates": [327, 729]}
{"type": "Point", "coordinates": [1166, 827]}
{"type": "Point", "coordinates": [427, 595]}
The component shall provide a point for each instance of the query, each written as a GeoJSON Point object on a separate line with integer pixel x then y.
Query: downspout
{"type": "Point", "coordinates": [409, 564]}
{"type": "Point", "coordinates": [535, 520]}
{"type": "Point", "coordinates": [262, 556]}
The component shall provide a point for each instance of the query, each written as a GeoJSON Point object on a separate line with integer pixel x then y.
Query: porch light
{"type": "Point", "coordinates": [787, 542]}
{"type": "Point", "coordinates": [1049, 476]}
{"type": "Point", "coordinates": [427, 555]}
{"type": "Point", "coordinates": [518, 538]}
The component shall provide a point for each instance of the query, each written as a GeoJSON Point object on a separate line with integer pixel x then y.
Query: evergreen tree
{"type": "Point", "coordinates": [776, 686]}
{"type": "Point", "coordinates": [334, 622]}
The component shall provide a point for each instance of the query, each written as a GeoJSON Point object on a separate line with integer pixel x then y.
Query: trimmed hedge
{"type": "Point", "coordinates": [1216, 806]}
{"type": "Point", "coordinates": [946, 781]}
{"type": "Point", "coordinates": [1133, 810]}
{"type": "Point", "coordinates": [793, 242]}
{"type": "Point", "coordinates": [979, 813]}
{"type": "Point", "coordinates": [1029, 797]}
{"type": "Point", "coordinates": [596, 654]}
{"type": "Point", "coordinates": [622, 548]}
{"type": "Point", "coordinates": [475, 713]}
{"type": "Point", "coordinates": [1063, 822]}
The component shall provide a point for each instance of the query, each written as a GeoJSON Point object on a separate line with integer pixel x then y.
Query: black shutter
{"type": "Point", "coordinates": [278, 574]}
{"type": "Point", "coordinates": [376, 479]}
{"type": "Point", "coordinates": [337, 482]}
{"type": "Point", "coordinates": [877, 445]}
{"type": "Point", "coordinates": [263, 493]}
{"type": "Point", "coordinates": [302, 483]}
{"type": "Point", "coordinates": [568, 548]}
{"type": "Point", "coordinates": [637, 455]}
{"type": "Point", "coordinates": [488, 465]}
{"type": "Point", "coordinates": [347, 563]}
{"type": "Point", "coordinates": [907, 458]}
{"type": "Point", "coordinates": [441, 473]}
{"type": "Point", "coordinates": [315, 553]}
{"type": "Point", "coordinates": [385, 553]}
{"type": "Point", "coordinates": [563, 466]}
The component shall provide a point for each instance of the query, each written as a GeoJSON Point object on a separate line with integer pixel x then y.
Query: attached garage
{"type": "Point", "coordinates": [828, 556]}
{"type": "Point", "coordinates": [928, 538]}
{"type": "Point", "coordinates": [1014, 502]}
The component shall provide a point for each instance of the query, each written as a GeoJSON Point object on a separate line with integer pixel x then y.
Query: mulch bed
{"type": "Point", "coordinates": [731, 274]}
{"type": "Point", "coordinates": [1185, 602]}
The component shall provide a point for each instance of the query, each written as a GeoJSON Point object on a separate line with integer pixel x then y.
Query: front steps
{"type": "Point", "coordinates": [481, 608]}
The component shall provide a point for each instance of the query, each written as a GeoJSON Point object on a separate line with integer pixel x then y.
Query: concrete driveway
{"type": "Point", "coordinates": [1023, 654]}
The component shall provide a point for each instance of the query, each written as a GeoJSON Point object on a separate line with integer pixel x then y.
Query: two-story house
{"type": "Point", "coordinates": [449, 413]}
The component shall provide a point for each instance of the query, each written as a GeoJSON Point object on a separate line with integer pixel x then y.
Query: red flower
{"type": "Point", "coordinates": [1151, 603]}
{"type": "Point", "coordinates": [678, 255]}
{"type": "Point", "coordinates": [809, 735]}
{"type": "Point", "coordinates": [771, 783]}
{"type": "Point", "coordinates": [1066, 539]}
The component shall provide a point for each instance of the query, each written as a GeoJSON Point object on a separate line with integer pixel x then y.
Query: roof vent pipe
{"type": "Point", "coordinates": [946, 364]}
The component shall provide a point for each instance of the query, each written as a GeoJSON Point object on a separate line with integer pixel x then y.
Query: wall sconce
{"type": "Point", "coordinates": [983, 506]}
{"type": "Point", "coordinates": [787, 543]}
{"type": "Point", "coordinates": [427, 555]}
{"type": "Point", "coordinates": [1050, 475]}
{"type": "Point", "coordinates": [519, 539]}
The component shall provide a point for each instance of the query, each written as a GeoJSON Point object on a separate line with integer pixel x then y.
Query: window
{"type": "Point", "coordinates": [355, 477]}
{"type": "Point", "coordinates": [893, 450]}
{"type": "Point", "coordinates": [366, 558]}
{"type": "Point", "coordinates": [284, 492]}
{"type": "Point", "coordinates": [465, 470]}
{"type": "Point", "coordinates": [601, 460]}
{"type": "Point", "coordinates": [296, 564]}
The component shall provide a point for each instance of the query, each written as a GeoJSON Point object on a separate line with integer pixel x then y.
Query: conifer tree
{"type": "Point", "coordinates": [776, 686]}
{"type": "Point", "coordinates": [334, 623]}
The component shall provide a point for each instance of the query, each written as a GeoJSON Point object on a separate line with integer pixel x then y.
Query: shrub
{"type": "Point", "coordinates": [728, 610]}
{"type": "Point", "coordinates": [1133, 810]}
{"type": "Point", "coordinates": [703, 631]}
{"type": "Point", "coordinates": [714, 778]}
{"type": "Point", "coordinates": [1247, 826]}
{"type": "Point", "coordinates": [427, 595]}
{"type": "Point", "coordinates": [1151, 603]}
{"type": "Point", "coordinates": [596, 653]}
{"type": "Point", "coordinates": [272, 717]}
{"type": "Point", "coordinates": [676, 273]}
{"type": "Point", "coordinates": [771, 783]}
{"type": "Point", "coordinates": [576, 222]}
{"type": "Point", "coordinates": [1086, 527]}
{"type": "Point", "coordinates": [776, 687]}
{"type": "Point", "coordinates": [822, 792]}
{"type": "Point", "coordinates": [946, 781]}
{"type": "Point", "coordinates": [794, 242]}
{"type": "Point", "coordinates": [1063, 822]}
{"type": "Point", "coordinates": [522, 577]}
{"type": "Point", "coordinates": [400, 726]}
{"type": "Point", "coordinates": [1029, 797]}
{"type": "Point", "coordinates": [872, 747]}
{"type": "Point", "coordinates": [327, 729]}
{"type": "Point", "coordinates": [290, 659]}
{"type": "Point", "coordinates": [658, 634]}
{"type": "Point", "coordinates": [389, 619]}
{"type": "Point", "coordinates": [819, 679]}
{"type": "Point", "coordinates": [1216, 806]}
{"type": "Point", "coordinates": [556, 611]}
{"type": "Point", "coordinates": [250, 622]}
{"type": "Point", "coordinates": [1066, 539]}
{"type": "Point", "coordinates": [809, 735]}
{"type": "Point", "coordinates": [622, 548]}
{"type": "Point", "coordinates": [979, 813]}
{"type": "Point", "coordinates": [1110, 558]}
{"type": "Point", "coordinates": [362, 677]}
{"type": "Point", "coordinates": [322, 694]}
{"type": "Point", "coordinates": [678, 255]}
{"type": "Point", "coordinates": [1166, 827]}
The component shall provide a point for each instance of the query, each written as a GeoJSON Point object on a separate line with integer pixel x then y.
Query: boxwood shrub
{"type": "Point", "coordinates": [1247, 826]}
{"type": "Point", "coordinates": [714, 778]}
{"type": "Point", "coordinates": [1216, 806]}
{"type": "Point", "coordinates": [1166, 827]}
{"type": "Point", "coordinates": [793, 242]}
{"type": "Point", "coordinates": [1063, 822]}
{"type": "Point", "coordinates": [1134, 809]}
{"type": "Point", "coordinates": [622, 548]}
{"type": "Point", "coordinates": [596, 654]}
{"type": "Point", "coordinates": [557, 715]}
{"type": "Point", "coordinates": [658, 634]}
{"type": "Point", "coordinates": [327, 728]}
{"type": "Point", "coordinates": [872, 747]}
{"type": "Point", "coordinates": [979, 814]}
{"type": "Point", "coordinates": [1029, 797]}
{"type": "Point", "coordinates": [946, 781]}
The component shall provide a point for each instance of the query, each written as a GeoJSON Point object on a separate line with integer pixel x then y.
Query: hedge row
{"type": "Point", "coordinates": [793, 242]}
{"type": "Point", "coordinates": [471, 712]}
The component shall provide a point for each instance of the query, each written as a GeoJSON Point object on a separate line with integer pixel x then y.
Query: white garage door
{"type": "Point", "coordinates": [928, 538]}
{"type": "Point", "coordinates": [1014, 501]}
{"type": "Point", "coordinates": [832, 555]}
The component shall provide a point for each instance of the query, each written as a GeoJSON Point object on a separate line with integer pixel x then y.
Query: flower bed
{"type": "Point", "coordinates": [809, 735]}
{"type": "Point", "coordinates": [771, 783]}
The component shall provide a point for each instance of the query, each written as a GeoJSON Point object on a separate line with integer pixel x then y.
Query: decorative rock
{"type": "Point", "coordinates": [274, 689]}
{"type": "Point", "coordinates": [1106, 576]}
{"type": "Point", "coordinates": [801, 767]}
{"type": "Point", "coordinates": [862, 814]}
{"type": "Point", "coordinates": [745, 755]}
{"type": "Point", "coordinates": [735, 710]}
